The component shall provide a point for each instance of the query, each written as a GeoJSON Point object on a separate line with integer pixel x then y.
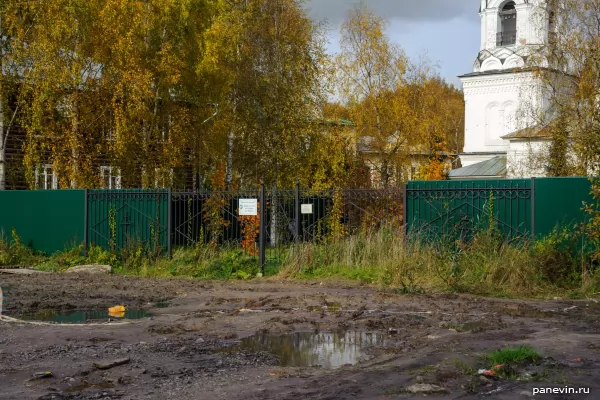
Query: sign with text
{"type": "Point", "coordinates": [248, 207]}
{"type": "Point", "coordinates": [306, 209]}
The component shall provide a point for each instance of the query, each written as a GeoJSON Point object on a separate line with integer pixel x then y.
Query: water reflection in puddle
{"type": "Point", "coordinates": [305, 349]}
{"type": "Point", "coordinates": [81, 316]}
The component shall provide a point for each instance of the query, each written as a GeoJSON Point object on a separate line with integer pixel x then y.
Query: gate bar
{"type": "Point", "coordinates": [297, 212]}
{"type": "Point", "coordinates": [85, 223]}
{"type": "Point", "coordinates": [169, 222]}
{"type": "Point", "coordinates": [533, 207]}
{"type": "Point", "coordinates": [405, 211]}
{"type": "Point", "coordinates": [261, 228]}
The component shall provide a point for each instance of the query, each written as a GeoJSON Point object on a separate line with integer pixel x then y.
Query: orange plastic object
{"type": "Point", "coordinates": [117, 311]}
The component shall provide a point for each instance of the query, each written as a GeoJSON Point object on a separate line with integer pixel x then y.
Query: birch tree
{"type": "Point", "coordinates": [572, 87]}
{"type": "Point", "coordinates": [371, 71]}
{"type": "Point", "coordinates": [270, 53]}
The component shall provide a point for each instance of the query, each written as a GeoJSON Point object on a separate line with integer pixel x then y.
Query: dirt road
{"type": "Point", "coordinates": [281, 340]}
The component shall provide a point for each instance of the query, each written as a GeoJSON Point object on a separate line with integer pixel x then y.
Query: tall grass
{"type": "Point", "coordinates": [136, 259]}
{"type": "Point", "coordinates": [485, 265]}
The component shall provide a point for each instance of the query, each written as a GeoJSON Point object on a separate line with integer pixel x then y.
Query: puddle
{"type": "Point", "coordinates": [80, 317]}
{"type": "Point", "coordinates": [81, 388]}
{"type": "Point", "coordinates": [6, 288]}
{"type": "Point", "coordinates": [162, 303]}
{"type": "Point", "coordinates": [306, 349]}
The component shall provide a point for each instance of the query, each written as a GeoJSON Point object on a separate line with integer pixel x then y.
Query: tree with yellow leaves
{"type": "Point", "coordinates": [271, 55]}
{"type": "Point", "coordinates": [403, 110]}
{"type": "Point", "coordinates": [571, 87]}
{"type": "Point", "coordinates": [371, 71]}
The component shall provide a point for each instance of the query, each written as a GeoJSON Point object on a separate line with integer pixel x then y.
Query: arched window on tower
{"type": "Point", "coordinates": [507, 35]}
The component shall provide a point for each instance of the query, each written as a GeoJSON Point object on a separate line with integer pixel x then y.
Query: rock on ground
{"type": "Point", "coordinates": [90, 269]}
{"type": "Point", "coordinates": [424, 388]}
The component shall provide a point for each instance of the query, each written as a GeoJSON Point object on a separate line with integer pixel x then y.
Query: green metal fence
{"type": "Point", "coordinates": [51, 221]}
{"type": "Point", "coordinates": [47, 221]}
{"type": "Point", "coordinates": [518, 208]}
{"type": "Point", "coordinates": [116, 218]}
{"type": "Point", "coordinates": [559, 202]}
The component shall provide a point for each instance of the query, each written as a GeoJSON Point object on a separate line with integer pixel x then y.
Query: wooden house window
{"type": "Point", "coordinates": [45, 178]}
{"type": "Point", "coordinates": [111, 177]}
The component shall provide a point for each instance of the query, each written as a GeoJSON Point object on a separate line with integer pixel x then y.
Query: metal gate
{"type": "Point", "coordinates": [456, 210]}
{"type": "Point", "coordinates": [118, 218]}
{"type": "Point", "coordinates": [214, 217]}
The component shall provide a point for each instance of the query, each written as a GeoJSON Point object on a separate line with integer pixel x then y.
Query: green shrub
{"type": "Point", "coordinates": [232, 264]}
{"type": "Point", "coordinates": [15, 253]}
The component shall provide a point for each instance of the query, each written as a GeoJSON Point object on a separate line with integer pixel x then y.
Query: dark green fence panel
{"type": "Point", "coordinates": [559, 203]}
{"type": "Point", "coordinates": [46, 220]}
{"type": "Point", "coordinates": [456, 209]}
{"type": "Point", "coordinates": [118, 217]}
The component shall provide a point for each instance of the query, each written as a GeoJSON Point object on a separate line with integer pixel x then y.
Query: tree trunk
{"type": "Point", "coordinates": [230, 143]}
{"type": "Point", "coordinates": [229, 174]}
{"type": "Point", "coordinates": [75, 146]}
{"type": "Point", "coordinates": [385, 175]}
{"type": "Point", "coordinates": [274, 217]}
{"type": "Point", "coordinates": [2, 138]}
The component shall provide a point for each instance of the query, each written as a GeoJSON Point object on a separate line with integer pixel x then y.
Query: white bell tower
{"type": "Point", "coordinates": [502, 92]}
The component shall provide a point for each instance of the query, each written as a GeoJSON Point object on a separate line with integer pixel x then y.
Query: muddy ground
{"type": "Point", "coordinates": [191, 349]}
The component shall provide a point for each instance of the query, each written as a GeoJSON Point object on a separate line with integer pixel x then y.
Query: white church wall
{"type": "Point", "coordinates": [503, 97]}
{"type": "Point", "coordinates": [525, 159]}
{"type": "Point", "coordinates": [495, 105]}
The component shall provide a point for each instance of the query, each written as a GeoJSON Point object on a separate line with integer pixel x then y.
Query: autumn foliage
{"type": "Point", "coordinates": [250, 229]}
{"type": "Point", "coordinates": [170, 93]}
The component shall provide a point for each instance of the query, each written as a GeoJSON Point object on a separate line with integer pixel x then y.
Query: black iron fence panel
{"type": "Point", "coordinates": [279, 222]}
{"type": "Point", "coordinates": [335, 214]}
{"type": "Point", "coordinates": [371, 209]}
{"type": "Point", "coordinates": [223, 218]}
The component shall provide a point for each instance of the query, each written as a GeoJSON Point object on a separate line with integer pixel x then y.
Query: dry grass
{"type": "Point", "coordinates": [487, 265]}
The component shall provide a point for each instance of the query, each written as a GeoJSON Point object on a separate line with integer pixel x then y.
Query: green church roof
{"type": "Point", "coordinates": [492, 168]}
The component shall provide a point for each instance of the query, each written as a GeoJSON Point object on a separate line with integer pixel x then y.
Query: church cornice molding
{"type": "Point", "coordinates": [511, 84]}
{"type": "Point", "coordinates": [482, 81]}
{"type": "Point", "coordinates": [495, 4]}
{"type": "Point", "coordinates": [490, 90]}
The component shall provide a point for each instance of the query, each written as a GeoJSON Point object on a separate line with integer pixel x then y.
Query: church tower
{"type": "Point", "coordinates": [502, 92]}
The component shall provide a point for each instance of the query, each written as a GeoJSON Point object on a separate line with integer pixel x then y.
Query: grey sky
{"type": "Point", "coordinates": [448, 32]}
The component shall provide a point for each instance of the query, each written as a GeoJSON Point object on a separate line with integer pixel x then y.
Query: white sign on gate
{"type": "Point", "coordinates": [306, 208]}
{"type": "Point", "coordinates": [248, 207]}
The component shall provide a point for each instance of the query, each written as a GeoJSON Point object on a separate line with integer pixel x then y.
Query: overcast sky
{"type": "Point", "coordinates": [448, 32]}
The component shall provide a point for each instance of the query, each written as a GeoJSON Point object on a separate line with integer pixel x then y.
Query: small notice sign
{"type": "Point", "coordinates": [306, 208]}
{"type": "Point", "coordinates": [248, 207]}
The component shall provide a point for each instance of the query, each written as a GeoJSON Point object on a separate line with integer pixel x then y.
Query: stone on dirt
{"type": "Point", "coordinates": [484, 381]}
{"type": "Point", "coordinates": [41, 375]}
{"type": "Point", "coordinates": [111, 364]}
{"type": "Point", "coordinates": [425, 388]}
{"type": "Point", "coordinates": [90, 269]}
{"type": "Point", "coordinates": [21, 271]}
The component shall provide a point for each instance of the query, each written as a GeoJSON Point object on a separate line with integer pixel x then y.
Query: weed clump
{"type": "Point", "coordinates": [512, 355]}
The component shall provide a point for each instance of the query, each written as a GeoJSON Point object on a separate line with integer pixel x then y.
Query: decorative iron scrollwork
{"type": "Point", "coordinates": [469, 193]}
